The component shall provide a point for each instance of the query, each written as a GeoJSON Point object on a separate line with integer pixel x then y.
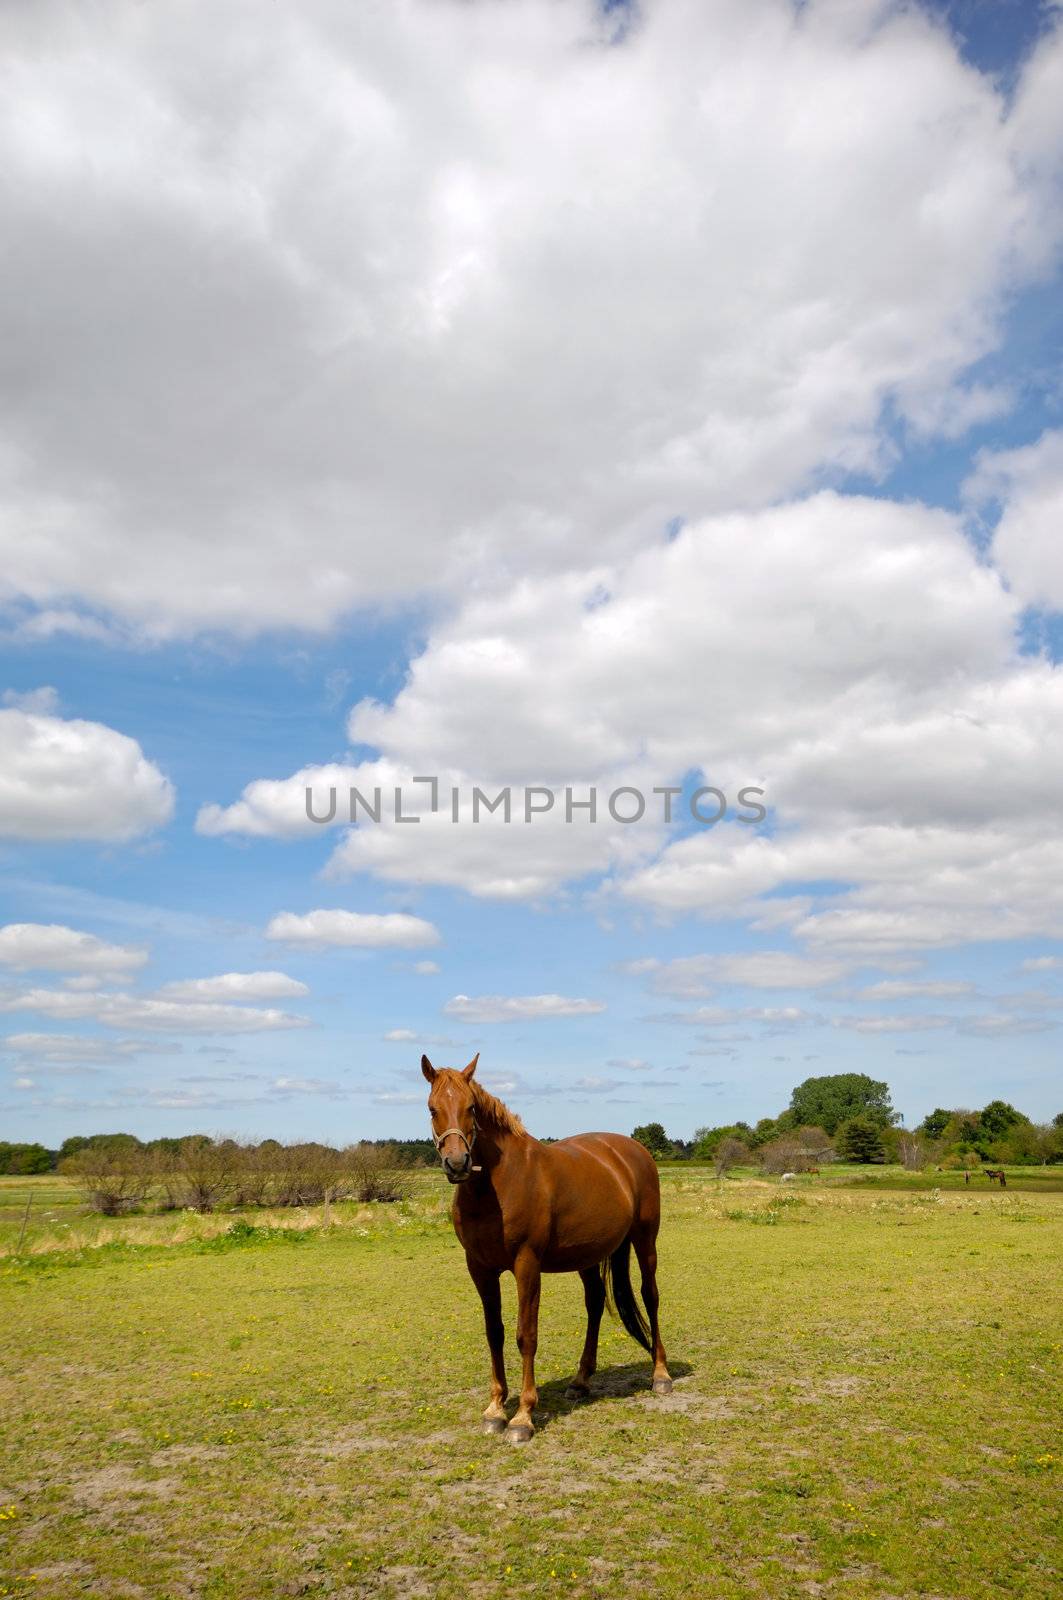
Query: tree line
{"type": "Point", "coordinates": [119, 1173]}
{"type": "Point", "coordinates": [848, 1116]}
{"type": "Point", "coordinates": [21, 1160]}
{"type": "Point", "coordinates": [843, 1116]}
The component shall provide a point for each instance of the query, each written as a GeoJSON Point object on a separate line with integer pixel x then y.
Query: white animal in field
{"type": "Point", "coordinates": [787, 1176]}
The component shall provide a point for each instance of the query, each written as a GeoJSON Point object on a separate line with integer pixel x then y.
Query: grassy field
{"type": "Point", "coordinates": [866, 1405]}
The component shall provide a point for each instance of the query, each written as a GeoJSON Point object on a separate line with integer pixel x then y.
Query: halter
{"type": "Point", "coordinates": [466, 1141]}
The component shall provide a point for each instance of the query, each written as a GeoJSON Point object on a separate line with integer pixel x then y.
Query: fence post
{"type": "Point", "coordinates": [25, 1219]}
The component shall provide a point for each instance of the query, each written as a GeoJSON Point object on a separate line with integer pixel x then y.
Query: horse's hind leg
{"type": "Point", "coordinates": [594, 1297]}
{"type": "Point", "coordinates": [645, 1241]}
{"type": "Point", "coordinates": [490, 1293]}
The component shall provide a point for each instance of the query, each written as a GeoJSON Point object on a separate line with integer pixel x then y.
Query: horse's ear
{"type": "Point", "coordinates": [428, 1069]}
{"type": "Point", "coordinates": [468, 1071]}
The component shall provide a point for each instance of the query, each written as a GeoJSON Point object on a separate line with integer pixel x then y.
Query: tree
{"type": "Point", "coordinates": [708, 1140]}
{"type": "Point", "coordinates": [934, 1125]}
{"type": "Point", "coordinates": [860, 1139]}
{"type": "Point", "coordinates": [963, 1133]}
{"type": "Point", "coordinates": [653, 1136]}
{"type": "Point", "coordinates": [730, 1152]}
{"type": "Point", "coordinates": [828, 1102]}
{"type": "Point", "coordinates": [998, 1118]}
{"type": "Point", "coordinates": [23, 1160]}
{"type": "Point", "coordinates": [912, 1152]}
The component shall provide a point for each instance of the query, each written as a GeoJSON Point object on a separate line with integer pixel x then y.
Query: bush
{"type": "Point", "coordinates": [730, 1153]}
{"type": "Point", "coordinates": [796, 1152]}
{"type": "Point", "coordinates": [204, 1173]}
{"type": "Point", "coordinates": [373, 1174]}
{"type": "Point", "coordinates": [113, 1177]}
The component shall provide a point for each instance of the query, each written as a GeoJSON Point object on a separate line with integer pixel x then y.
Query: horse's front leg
{"type": "Point", "coordinates": [527, 1273]}
{"type": "Point", "coordinates": [490, 1293]}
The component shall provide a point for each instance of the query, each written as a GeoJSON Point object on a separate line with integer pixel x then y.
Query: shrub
{"type": "Point", "coordinates": [730, 1153]}
{"type": "Point", "coordinates": [113, 1177]}
{"type": "Point", "coordinates": [205, 1172]}
{"type": "Point", "coordinates": [373, 1174]}
{"type": "Point", "coordinates": [796, 1152]}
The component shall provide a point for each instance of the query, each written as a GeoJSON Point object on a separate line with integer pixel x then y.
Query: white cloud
{"type": "Point", "coordinates": [276, 807]}
{"type": "Point", "coordinates": [236, 986]}
{"type": "Point", "coordinates": [690, 977]}
{"type": "Point", "coordinates": [153, 1012]}
{"type": "Point", "coordinates": [408, 1035]}
{"type": "Point", "coordinates": [1043, 964]}
{"type": "Point", "coordinates": [518, 1008]}
{"type": "Point", "coordinates": [355, 930]}
{"type": "Point", "coordinates": [726, 1016]}
{"type": "Point", "coordinates": [41, 946]}
{"type": "Point", "coordinates": [43, 701]}
{"type": "Point", "coordinates": [894, 1023]}
{"type": "Point", "coordinates": [1027, 545]}
{"type": "Point", "coordinates": [61, 1049]}
{"type": "Point", "coordinates": [851, 656]}
{"type": "Point", "coordinates": [916, 989]}
{"type": "Point", "coordinates": [708, 293]}
{"type": "Point", "coordinates": [994, 1026]}
{"type": "Point", "coordinates": [426, 969]}
{"type": "Point", "coordinates": [76, 780]}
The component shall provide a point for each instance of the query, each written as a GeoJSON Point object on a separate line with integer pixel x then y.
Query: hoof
{"type": "Point", "coordinates": [662, 1385]}
{"type": "Point", "coordinates": [518, 1433]}
{"type": "Point", "coordinates": [494, 1425]}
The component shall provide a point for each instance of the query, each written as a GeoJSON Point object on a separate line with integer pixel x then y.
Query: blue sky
{"type": "Point", "coordinates": [534, 426]}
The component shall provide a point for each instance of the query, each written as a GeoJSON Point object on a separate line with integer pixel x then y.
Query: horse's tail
{"type": "Point", "coordinates": [620, 1297]}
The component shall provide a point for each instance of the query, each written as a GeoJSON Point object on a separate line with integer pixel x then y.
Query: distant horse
{"type": "Point", "coordinates": [996, 1175]}
{"type": "Point", "coordinates": [578, 1205]}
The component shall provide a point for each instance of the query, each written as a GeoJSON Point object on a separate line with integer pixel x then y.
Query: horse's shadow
{"type": "Point", "coordinates": [610, 1383]}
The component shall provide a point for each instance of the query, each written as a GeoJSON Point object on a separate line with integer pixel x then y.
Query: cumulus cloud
{"type": "Point", "coordinates": [853, 657]}
{"type": "Point", "coordinates": [51, 947]}
{"type": "Point", "coordinates": [43, 701]}
{"type": "Point", "coordinates": [371, 219]}
{"type": "Point", "coordinates": [236, 986]}
{"type": "Point", "coordinates": [76, 780]}
{"type": "Point", "coordinates": [353, 930]}
{"type": "Point", "coordinates": [518, 1008]}
{"type": "Point", "coordinates": [1026, 545]}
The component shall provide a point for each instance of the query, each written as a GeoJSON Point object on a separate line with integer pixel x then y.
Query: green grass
{"type": "Point", "coordinates": [866, 1406]}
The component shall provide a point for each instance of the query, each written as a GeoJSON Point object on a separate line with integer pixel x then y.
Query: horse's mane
{"type": "Point", "coordinates": [492, 1111]}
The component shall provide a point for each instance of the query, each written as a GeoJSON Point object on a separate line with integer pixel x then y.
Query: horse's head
{"type": "Point", "coordinates": [452, 1107]}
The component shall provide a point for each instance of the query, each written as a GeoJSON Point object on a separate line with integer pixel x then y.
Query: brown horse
{"type": "Point", "coordinates": [523, 1207]}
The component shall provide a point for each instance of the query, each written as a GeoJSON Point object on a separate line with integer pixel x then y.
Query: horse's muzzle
{"type": "Point", "coordinates": [457, 1173]}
